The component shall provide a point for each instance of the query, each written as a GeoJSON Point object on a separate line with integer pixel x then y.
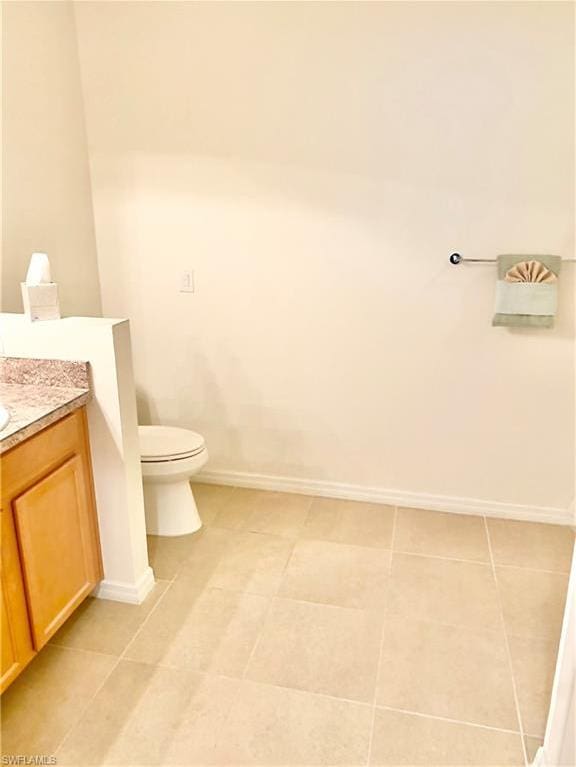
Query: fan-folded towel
{"type": "Point", "coordinates": [527, 291]}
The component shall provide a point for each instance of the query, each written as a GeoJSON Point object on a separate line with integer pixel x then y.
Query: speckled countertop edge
{"type": "Point", "coordinates": [73, 402]}
{"type": "Point", "coordinates": [39, 372]}
{"type": "Point", "coordinates": [38, 393]}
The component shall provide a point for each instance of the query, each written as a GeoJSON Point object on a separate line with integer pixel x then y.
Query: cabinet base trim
{"type": "Point", "coordinates": [120, 591]}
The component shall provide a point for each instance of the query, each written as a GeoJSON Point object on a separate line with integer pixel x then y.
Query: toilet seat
{"type": "Point", "coordinates": [159, 444]}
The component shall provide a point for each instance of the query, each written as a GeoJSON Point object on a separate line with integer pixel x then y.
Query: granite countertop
{"type": "Point", "coordinates": [37, 393]}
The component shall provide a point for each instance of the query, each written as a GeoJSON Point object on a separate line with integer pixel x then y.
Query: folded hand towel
{"type": "Point", "coordinates": [530, 271]}
{"type": "Point", "coordinates": [526, 291]}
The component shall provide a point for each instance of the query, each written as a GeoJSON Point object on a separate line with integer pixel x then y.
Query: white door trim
{"type": "Point", "coordinates": [559, 747]}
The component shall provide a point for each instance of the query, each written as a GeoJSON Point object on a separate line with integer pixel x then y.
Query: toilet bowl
{"type": "Point", "coordinates": [169, 457]}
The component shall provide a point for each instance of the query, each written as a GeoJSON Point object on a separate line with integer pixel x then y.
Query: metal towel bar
{"type": "Point", "coordinates": [456, 258]}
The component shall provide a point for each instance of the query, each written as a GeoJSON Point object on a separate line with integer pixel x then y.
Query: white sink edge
{"type": "Point", "coordinates": [4, 417]}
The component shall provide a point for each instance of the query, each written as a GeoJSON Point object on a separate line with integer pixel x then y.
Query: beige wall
{"type": "Point", "coordinates": [315, 164]}
{"type": "Point", "coordinates": [46, 201]}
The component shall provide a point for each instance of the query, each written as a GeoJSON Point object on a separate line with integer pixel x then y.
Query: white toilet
{"type": "Point", "coordinates": [169, 457]}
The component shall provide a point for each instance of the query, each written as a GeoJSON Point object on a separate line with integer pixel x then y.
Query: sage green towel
{"type": "Point", "coordinates": [526, 304]}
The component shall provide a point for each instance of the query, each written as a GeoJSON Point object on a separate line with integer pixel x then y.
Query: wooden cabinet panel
{"type": "Point", "coordinates": [50, 544]}
{"type": "Point", "coordinates": [17, 648]}
{"type": "Point", "coordinates": [9, 649]}
{"type": "Point", "coordinates": [58, 561]}
{"type": "Point", "coordinates": [30, 461]}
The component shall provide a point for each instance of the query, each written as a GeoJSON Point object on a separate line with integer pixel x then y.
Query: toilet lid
{"type": "Point", "coordinates": [165, 442]}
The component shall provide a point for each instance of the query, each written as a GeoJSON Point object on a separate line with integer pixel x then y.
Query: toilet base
{"type": "Point", "coordinates": [170, 508]}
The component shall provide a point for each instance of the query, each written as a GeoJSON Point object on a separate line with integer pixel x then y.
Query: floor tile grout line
{"type": "Point", "coordinates": [507, 644]}
{"type": "Point", "coordinates": [328, 605]}
{"type": "Point", "coordinates": [368, 704]}
{"type": "Point", "coordinates": [566, 573]}
{"type": "Point", "coordinates": [245, 526]}
{"type": "Point", "coordinates": [204, 527]}
{"type": "Point", "coordinates": [293, 541]}
{"type": "Point", "coordinates": [382, 637]}
{"type": "Point", "coordinates": [327, 696]}
{"type": "Point", "coordinates": [86, 707]}
{"type": "Point", "coordinates": [391, 549]}
{"type": "Point", "coordinates": [408, 712]}
{"type": "Point", "coordinates": [82, 649]}
{"type": "Point", "coordinates": [365, 704]}
{"type": "Point", "coordinates": [147, 618]}
{"type": "Point", "coordinates": [299, 690]}
{"type": "Point", "coordinates": [272, 597]}
{"type": "Point", "coordinates": [119, 659]}
{"type": "Point", "coordinates": [243, 678]}
{"type": "Point", "coordinates": [482, 562]}
{"type": "Point", "coordinates": [485, 563]}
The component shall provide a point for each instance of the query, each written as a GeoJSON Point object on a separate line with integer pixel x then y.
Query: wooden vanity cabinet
{"type": "Point", "coordinates": [50, 545]}
{"type": "Point", "coordinates": [17, 648]}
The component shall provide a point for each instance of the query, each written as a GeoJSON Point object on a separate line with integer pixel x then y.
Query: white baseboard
{"type": "Point", "coordinates": [133, 593]}
{"type": "Point", "coordinates": [448, 503]}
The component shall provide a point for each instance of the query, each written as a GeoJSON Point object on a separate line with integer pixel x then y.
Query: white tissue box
{"type": "Point", "coordinates": [41, 301]}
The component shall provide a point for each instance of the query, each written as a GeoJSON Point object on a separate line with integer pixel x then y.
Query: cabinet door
{"type": "Point", "coordinates": [17, 648]}
{"type": "Point", "coordinates": [48, 491]}
{"type": "Point", "coordinates": [55, 532]}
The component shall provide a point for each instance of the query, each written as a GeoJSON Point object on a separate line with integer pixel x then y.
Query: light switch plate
{"type": "Point", "coordinates": [187, 281]}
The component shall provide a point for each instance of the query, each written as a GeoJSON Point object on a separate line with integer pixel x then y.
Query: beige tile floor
{"type": "Point", "coordinates": [301, 631]}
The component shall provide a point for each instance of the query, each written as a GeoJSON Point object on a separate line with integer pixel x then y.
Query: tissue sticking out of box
{"type": "Point", "coordinates": [39, 293]}
{"type": "Point", "coordinates": [39, 270]}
